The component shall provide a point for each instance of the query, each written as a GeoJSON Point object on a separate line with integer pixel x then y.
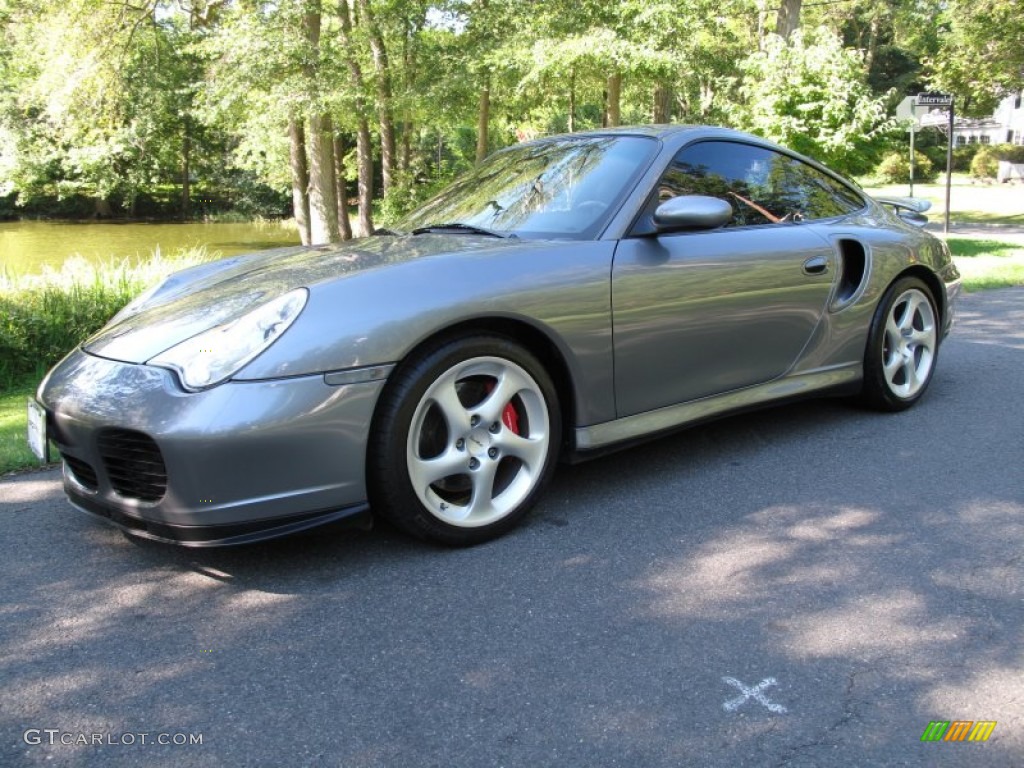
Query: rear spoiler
{"type": "Point", "coordinates": [915, 204]}
{"type": "Point", "coordinates": [910, 209]}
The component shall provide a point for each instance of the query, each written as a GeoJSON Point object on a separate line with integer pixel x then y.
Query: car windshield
{"type": "Point", "coordinates": [563, 187]}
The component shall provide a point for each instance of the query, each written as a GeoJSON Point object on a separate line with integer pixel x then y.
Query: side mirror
{"type": "Point", "coordinates": [692, 212]}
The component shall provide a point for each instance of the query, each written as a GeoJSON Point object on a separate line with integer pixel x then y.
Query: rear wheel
{"type": "Point", "coordinates": [464, 440]}
{"type": "Point", "coordinates": [902, 347]}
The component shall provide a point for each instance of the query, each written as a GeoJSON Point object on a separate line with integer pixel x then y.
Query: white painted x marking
{"type": "Point", "coordinates": [751, 693]}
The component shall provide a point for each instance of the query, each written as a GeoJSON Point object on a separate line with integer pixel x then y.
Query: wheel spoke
{"type": "Point", "coordinates": [913, 381]}
{"type": "Point", "coordinates": [892, 329]}
{"type": "Point", "coordinates": [906, 317]}
{"type": "Point", "coordinates": [482, 502]}
{"type": "Point", "coordinates": [892, 366]}
{"type": "Point", "coordinates": [924, 338]}
{"type": "Point", "coordinates": [424, 472]}
{"type": "Point", "coordinates": [530, 451]}
{"type": "Point", "coordinates": [509, 384]}
{"type": "Point", "coordinates": [919, 308]}
{"type": "Point", "coordinates": [447, 399]}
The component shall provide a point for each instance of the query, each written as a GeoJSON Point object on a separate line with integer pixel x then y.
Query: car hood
{"type": "Point", "coordinates": [197, 299]}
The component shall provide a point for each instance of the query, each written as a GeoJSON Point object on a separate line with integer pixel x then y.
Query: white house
{"type": "Point", "coordinates": [1006, 126]}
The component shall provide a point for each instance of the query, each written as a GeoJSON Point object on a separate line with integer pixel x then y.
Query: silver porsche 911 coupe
{"type": "Point", "coordinates": [570, 295]}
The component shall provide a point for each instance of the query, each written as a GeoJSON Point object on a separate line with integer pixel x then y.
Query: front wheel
{"type": "Point", "coordinates": [465, 438]}
{"type": "Point", "coordinates": [902, 346]}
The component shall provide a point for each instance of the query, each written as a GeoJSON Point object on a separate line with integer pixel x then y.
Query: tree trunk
{"type": "Point", "coordinates": [300, 178]}
{"type": "Point", "coordinates": [409, 71]}
{"type": "Point", "coordinates": [323, 200]}
{"type": "Point", "coordinates": [788, 20]}
{"type": "Point", "coordinates": [186, 170]}
{"type": "Point", "coordinates": [662, 112]}
{"type": "Point", "coordinates": [364, 158]}
{"type": "Point", "coordinates": [483, 122]}
{"type": "Point", "coordinates": [364, 151]}
{"type": "Point", "coordinates": [344, 224]}
{"type": "Point", "coordinates": [572, 101]}
{"type": "Point", "coordinates": [614, 87]}
{"type": "Point", "coordinates": [384, 100]}
{"type": "Point", "coordinates": [406, 161]}
{"type": "Point", "coordinates": [872, 46]}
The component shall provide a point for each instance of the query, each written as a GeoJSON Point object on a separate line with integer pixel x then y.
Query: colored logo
{"type": "Point", "coordinates": [958, 730]}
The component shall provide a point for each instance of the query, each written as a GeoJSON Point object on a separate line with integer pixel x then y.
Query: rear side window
{"type": "Point", "coordinates": [763, 186]}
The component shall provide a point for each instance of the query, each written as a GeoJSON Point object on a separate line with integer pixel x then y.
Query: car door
{"type": "Point", "coordinates": [702, 313]}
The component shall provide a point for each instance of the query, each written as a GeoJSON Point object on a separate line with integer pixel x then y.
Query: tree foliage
{"type": "Point", "coordinates": [371, 99]}
{"type": "Point", "coordinates": [811, 93]}
{"type": "Point", "coordinates": [981, 56]}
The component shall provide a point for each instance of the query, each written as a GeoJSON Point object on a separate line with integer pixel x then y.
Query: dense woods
{"type": "Point", "coordinates": [140, 105]}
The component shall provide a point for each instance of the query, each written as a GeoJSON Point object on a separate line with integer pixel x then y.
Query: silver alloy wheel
{"type": "Point", "coordinates": [478, 441]}
{"type": "Point", "coordinates": [908, 347]}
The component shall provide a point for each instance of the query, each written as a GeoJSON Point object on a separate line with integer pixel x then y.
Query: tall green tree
{"type": "Point", "coordinates": [981, 52]}
{"type": "Point", "coordinates": [810, 93]}
{"type": "Point", "coordinates": [103, 98]}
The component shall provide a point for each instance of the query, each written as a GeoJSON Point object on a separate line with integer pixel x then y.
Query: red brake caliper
{"type": "Point", "coordinates": [509, 417]}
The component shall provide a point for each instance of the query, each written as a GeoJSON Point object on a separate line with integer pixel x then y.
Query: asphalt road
{"type": "Point", "coordinates": [809, 586]}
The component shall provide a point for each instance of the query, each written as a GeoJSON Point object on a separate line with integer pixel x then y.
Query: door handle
{"type": "Point", "coordinates": [816, 265]}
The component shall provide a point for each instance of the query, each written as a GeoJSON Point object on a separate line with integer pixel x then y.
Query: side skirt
{"type": "Point", "coordinates": [843, 379]}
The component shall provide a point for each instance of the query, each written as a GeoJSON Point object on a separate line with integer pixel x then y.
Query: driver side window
{"type": "Point", "coordinates": [761, 185]}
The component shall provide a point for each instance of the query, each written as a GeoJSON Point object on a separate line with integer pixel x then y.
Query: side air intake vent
{"type": "Point", "coordinates": [852, 272]}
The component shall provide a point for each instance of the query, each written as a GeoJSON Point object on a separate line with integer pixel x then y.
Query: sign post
{"type": "Point", "coordinates": [906, 110]}
{"type": "Point", "coordinates": [913, 130]}
{"type": "Point", "coordinates": [935, 99]}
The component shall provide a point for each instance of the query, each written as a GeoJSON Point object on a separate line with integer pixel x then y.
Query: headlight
{"type": "Point", "coordinates": [215, 355]}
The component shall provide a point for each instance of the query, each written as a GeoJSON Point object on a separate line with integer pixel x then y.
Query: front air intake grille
{"type": "Point", "coordinates": [81, 471]}
{"type": "Point", "coordinates": [134, 464]}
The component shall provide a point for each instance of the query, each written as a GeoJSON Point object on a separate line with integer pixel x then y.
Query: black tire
{"type": "Point", "coordinates": [482, 407]}
{"type": "Point", "coordinates": [903, 346]}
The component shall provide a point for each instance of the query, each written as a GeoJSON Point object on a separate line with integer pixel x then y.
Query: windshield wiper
{"type": "Point", "coordinates": [458, 226]}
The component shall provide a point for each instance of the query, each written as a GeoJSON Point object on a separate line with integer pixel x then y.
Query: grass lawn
{"type": "Point", "coordinates": [14, 451]}
{"type": "Point", "coordinates": [988, 263]}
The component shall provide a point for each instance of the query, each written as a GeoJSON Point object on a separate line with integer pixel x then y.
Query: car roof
{"type": "Point", "coordinates": [663, 130]}
{"type": "Point", "coordinates": [672, 136]}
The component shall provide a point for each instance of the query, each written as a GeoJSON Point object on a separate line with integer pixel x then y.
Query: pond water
{"type": "Point", "coordinates": [26, 246]}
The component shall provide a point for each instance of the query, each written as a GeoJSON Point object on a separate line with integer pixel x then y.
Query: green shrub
{"type": "Point", "coordinates": [895, 168]}
{"type": "Point", "coordinates": [1011, 153]}
{"type": "Point", "coordinates": [937, 157]}
{"type": "Point", "coordinates": [43, 317]}
{"type": "Point", "coordinates": [963, 156]}
{"type": "Point", "coordinates": [985, 164]}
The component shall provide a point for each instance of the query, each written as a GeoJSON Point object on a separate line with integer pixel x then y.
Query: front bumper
{"type": "Point", "coordinates": [234, 464]}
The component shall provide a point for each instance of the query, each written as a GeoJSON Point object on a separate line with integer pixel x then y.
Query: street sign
{"type": "Point", "coordinates": [933, 99]}
{"type": "Point", "coordinates": [933, 118]}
